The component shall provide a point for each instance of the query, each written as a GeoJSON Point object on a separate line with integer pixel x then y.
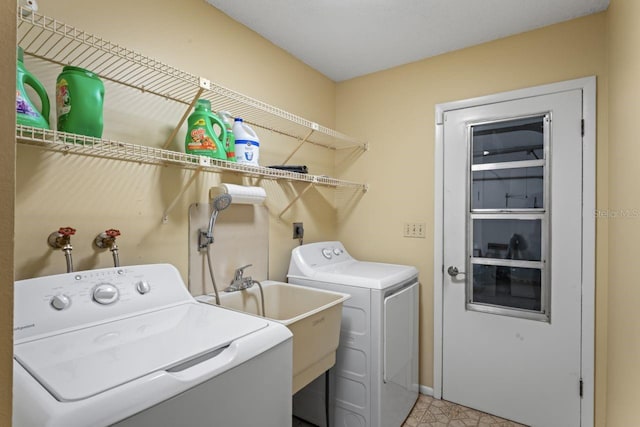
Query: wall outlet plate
{"type": "Point", "coordinates": [414, 229]}
{"type": "Point", "coordinates": [298, 230]}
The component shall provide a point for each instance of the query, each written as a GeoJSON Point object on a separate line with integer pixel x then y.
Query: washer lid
{"type": "Point", "coordinates": [80, 364]}
{"type": "Point", "coordinates": [374, 275]}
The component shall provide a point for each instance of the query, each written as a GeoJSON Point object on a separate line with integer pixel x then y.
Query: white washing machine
{"type": "Point", "coordinates": [374, 382]}
{"type": "Point", "coordinates": [129, 346]}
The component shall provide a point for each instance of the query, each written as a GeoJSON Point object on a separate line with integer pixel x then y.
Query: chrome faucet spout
{"type": "Point", "coordinates": [239, 281]}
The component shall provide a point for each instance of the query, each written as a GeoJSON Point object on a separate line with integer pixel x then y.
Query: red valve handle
{"type": "Point", "coordinates": [112, 232]}
{"type": "Point", "coordinates": [67, 231]}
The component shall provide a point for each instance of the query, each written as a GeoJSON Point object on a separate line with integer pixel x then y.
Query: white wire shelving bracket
{"type": "Point", "coordinates": [54, 41]}
{"type": "Point", "coordinates": [103, 148]}
{"type": "Point", "coordinates": [51, 40]}
{"type": "Point", "coordinates": [304, 190]}
{"type": "Point", "coordinates": [174, 202]}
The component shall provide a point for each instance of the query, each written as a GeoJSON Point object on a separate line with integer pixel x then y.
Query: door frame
{"type": "Point", "coordinates": [587, 367]}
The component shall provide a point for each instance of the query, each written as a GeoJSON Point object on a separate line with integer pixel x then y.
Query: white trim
{"type": "Point", "coordinates": [589, 250]}
{"type": "Point", "coordinates": [427, 391]}
{"type": "Point", "coordinates": [588, 87]}
{"type": "Point", "coordinates": [438, 260]}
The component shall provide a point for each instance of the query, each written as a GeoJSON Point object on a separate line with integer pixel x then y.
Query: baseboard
{"type": "Point", "coordinates": [427, 391]}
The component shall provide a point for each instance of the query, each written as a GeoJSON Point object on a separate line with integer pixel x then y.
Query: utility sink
{"type": "Point", "coordinates": [312, 315]}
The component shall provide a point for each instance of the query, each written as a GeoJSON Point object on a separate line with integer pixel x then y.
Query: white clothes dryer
{"type": "Point", "coordinates": [374, 382]}
{"type": "Point", "coordinates": [129, 346]}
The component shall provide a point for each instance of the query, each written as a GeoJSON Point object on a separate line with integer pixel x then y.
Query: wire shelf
{"type": "Point", "coordinates": [49, 39]}
{"type": "Point", "coordinates": [85, 145]}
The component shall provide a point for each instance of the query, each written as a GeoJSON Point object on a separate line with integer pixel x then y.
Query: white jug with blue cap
{"type": "Point", "coordinates": [247, 143]}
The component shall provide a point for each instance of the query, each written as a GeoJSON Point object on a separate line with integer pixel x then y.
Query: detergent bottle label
{"type": "Point", "coordinates": [23, 106]}
{"type": "Point", "coordinates": [198, 138]}
{"type": "Point", "coordinates": [247, 151]}
{"type": "Point", "coordinates": [63, 98]}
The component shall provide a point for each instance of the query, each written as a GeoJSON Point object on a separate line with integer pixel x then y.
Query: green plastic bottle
{"type": "Point", "coordinates": [79, 102]}
{"type": "Point", "coordinates": [26, 113]}
{"type": "Point", "coordinates": [202, 138]}
{"type": "Point", "coordinates": [230, 143]}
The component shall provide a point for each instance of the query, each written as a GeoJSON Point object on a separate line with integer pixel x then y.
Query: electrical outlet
{"type": "Point", "coordinates": [415, 229]}
{"type": "Point", "coordinates": [298, 231]}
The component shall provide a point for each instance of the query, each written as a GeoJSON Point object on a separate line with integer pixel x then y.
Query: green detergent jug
{"type": "Point", "coordinates": [230, 143]}
{"type": "Point", "coordinates": [202, 138]}
{"type": "Point", "coordinates": [79, 101]}
{"type": "Point", "coordinates": [26, 113]}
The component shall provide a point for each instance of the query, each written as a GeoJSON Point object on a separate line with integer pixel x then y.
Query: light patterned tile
{"type": "Point", "coordinates": [428, 417]}
{"type": "Point", "coordinates": [455, 412]}
{"type": "Point", "coordinates": [430, 412]}
{"type": "Point", "coordinates": [436, 424]}
{"type": "Point", "coordinates": [411, 422]}
{"type": "Point", "coordinates": [441, 403]}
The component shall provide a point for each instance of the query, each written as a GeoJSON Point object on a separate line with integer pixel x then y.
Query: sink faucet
{"type": "Point", "coordinates": [240, 282]}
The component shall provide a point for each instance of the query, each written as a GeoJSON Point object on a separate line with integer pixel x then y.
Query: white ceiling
{"type": "Point", "coordinates": [343, 39]}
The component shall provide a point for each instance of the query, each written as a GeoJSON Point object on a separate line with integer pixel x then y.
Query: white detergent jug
{"type": "Point", "coordinates": [247, 143]}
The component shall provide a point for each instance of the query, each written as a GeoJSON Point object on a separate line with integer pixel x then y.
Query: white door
{"type": "Point", "coordinates": [513, 230]}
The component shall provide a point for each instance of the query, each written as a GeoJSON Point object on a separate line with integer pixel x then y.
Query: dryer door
{"type": "Point", "coordinates": [400, 335]}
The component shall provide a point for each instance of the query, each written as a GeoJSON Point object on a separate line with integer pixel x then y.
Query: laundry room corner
{"type": "Point", "coordinates": [394, 110]}
{"type": "Point", "coordinates": [347, 105]}
{"type": "Point", "coordinates": [149, 203]}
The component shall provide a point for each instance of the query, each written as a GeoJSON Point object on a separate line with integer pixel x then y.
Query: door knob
{"type": "Point", "coordinates": [453, 271]}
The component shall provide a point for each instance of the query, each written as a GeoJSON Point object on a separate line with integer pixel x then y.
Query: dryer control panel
{"type": "Point", "coordinates": [321, 253]}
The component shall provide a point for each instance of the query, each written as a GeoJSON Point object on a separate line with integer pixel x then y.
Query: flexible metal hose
{"type": "Point", "coordinates": [67, 257]}
{"type": "Point", "coordinates": [213, 280]}
{"type": "Point", "coordinates": [261, 296]}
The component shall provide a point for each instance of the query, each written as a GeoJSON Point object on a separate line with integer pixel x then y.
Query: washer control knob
{"type": "Point", "coordinates": [326, 252]}
{"type": "Point", "coordinates": [337, 251]}
{"type": "Point", "coordinates": [105, 294]}
{"type": "Point", "coordinates": [143, 287]}
{"type": "Point", "coordinates": [60, 302]}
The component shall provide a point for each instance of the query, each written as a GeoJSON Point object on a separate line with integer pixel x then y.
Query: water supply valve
{"type": "Point", "coordinates": [61, 239]}
{"type": "Point", "coordinates": [107, 239]}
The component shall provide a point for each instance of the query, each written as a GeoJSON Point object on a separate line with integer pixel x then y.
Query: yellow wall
{"type": "Point", "coordinates": [92, 195]}
{"type": "Point", "coordinates": [7, 190]}
{"type": "Point", "coordinates": [394, 111]}
{"type": "Point", "coordinates": [624, 233]}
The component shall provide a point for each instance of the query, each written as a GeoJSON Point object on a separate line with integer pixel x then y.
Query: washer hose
{"type": "Point", "coordinates": [213, 280]}
{"type": "Point", "coordinates": [261, 296]}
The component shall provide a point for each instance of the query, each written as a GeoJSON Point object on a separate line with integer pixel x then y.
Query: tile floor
{"type": "Point", "coordinates": [430, 412]}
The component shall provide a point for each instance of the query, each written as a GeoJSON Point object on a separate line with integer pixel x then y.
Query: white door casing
{"type": "Point", "coordinates": [484, 357]}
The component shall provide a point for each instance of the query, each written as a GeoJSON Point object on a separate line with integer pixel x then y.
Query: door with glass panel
{"type": "Point", "coordinates": [512, 258]}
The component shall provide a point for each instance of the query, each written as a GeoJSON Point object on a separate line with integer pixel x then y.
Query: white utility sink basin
{"type": "Point", "coordinates": [312, 315]}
